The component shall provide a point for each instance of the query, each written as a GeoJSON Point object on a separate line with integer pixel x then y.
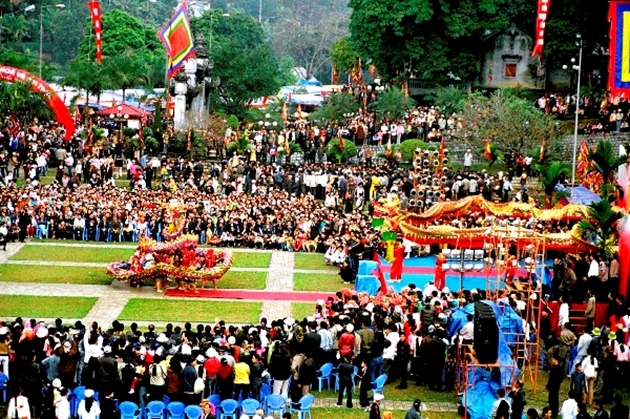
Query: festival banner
{"type": "Point", "coordinates": [97, 23]}
{"type": "Point", "coordinates": [619, 58]}
{"type": "Point", "coordinates": [176, 36]}
{"type": "Point", "coordinates": [541, 23]}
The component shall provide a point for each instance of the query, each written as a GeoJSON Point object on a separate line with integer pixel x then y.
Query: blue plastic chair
{"type": "Point", "coordinates": [265, 391]}
{"type": "Point", "coordinates": [275, 403]}
{"type": "Point", "coordinates": [378, 386]}
{"type": "Point", "coordinates": [175, 410]}
{"type": "Point", "coordinates": [129, 410]}
{"type": "Point", "coordinates": [305, 404]}
{"type": "Point", "coordinates": [228, 408]}
{"type": "Point", "coordinates": [325, 373]}
{"type": "Point", "coordinates": [155, 410]}
{"type": "Point", "coordinates": [193, 412]}
{"type": "Point", "coordinates": [215, 400]}
{"type": "Point", "coordinates": [249, 407]}
{"type": "Point", "coordinates": [78, 394]}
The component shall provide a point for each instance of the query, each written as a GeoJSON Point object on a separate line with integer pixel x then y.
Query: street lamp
{"type": "Point", "coordinates": [27, 9]}
{"type": "Point", "coordinates": [119, 117]}
{"type": "Point", "coordinates": [59, 6]}
{"type": "Point", "coordinates": [578, 68]}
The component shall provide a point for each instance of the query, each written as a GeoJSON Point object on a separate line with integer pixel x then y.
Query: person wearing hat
{"type": "Point", "coordinates": [88, 407]}
{"type": "Point", "coordinates": [107, 376]}
{"type": "Point", "coordinates": [375, 408]}
{"type": "Point", "coordinates": [414, 411]}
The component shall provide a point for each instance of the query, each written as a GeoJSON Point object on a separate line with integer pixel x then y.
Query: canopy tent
{"type": "Point", "coordinates": [580, 195]}
{"type": "Point", "coordinates": [125, 109]}
{"type": "Point", "coordinates": [310, 82]}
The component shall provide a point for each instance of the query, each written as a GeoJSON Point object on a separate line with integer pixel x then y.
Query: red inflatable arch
{"type": "Point", "coordinates": [39, 86]}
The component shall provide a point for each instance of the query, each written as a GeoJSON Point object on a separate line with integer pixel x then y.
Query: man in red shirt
{"type": "Point", "coordinates": [346, 342]}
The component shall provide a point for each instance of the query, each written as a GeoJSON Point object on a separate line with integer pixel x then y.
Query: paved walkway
{"type": "Point", "coordinates": [279, 278]}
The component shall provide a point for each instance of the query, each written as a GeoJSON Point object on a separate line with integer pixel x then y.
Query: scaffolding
{"type": "Point", "coordinates": [525, 345]}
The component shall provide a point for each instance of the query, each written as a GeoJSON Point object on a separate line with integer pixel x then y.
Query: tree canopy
{"type": "Point", "coordinates": [242, 59]}
{"type": "Point", "coordinates": [511, 123]}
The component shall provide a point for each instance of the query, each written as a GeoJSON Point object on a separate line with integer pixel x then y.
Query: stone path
{"type": "Point", "coordinates": [279, 278]}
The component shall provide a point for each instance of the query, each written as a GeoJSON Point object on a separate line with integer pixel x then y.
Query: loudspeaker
{"type": "Point", "coordinates": [486, 343]}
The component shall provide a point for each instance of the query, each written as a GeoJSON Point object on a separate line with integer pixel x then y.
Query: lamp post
{"type": "Point", "coordinates": [120, 118]}
{"type": "Point", "coordinates": [578, 68]}
{"type": "Point", "coordinates": [60, 6]}
{"type": "Point", "coordinates": [27, 9]}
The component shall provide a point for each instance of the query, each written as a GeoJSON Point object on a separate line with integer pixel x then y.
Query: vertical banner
{"type": "Point", "coordinates": [97, 23]}
{"type": "Point", "coordinates": [619, 58]}
{"type": "Point", "coordinates": [541, 23]}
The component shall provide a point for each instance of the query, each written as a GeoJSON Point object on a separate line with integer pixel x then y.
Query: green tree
{"type": "Point", "coordinates": [17, 98]}
{"type": "Point", "coordinates": [88, 75]}
{"type": "Point", "coordinates": [602, 224]}
{"type": "Point", "coordinates": [512, 124]}
{"type": "Point", "coordinates": [430, 38]}
{"type": "Point", "coordinates": [129, 43]}
{"type": "Point", "coordinates": [449, 99]}
{"type": "Point", "coordinates": [334, 110]}
{"type": "Point", "coordinates": [341, 154]}
{"type": "Point", "coordinates": [242, 60]}
{"type": "Point", "coordinates": [343, 54]}
{"type": "Point", "coordinates": [392, 103]}
{"type": "Point", "coordinates": [550, 176]}
{"type": "Point", "coordinates": [68, 29]}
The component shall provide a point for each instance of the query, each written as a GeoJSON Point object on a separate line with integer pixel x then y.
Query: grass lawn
{"type": "Point", "coordinates": [73, 254]}
{"type": "Point", "coordinates": [311, 261]}
{"type": "Point", "coordinates": [166, 310]}
{"type": "Point", "coordinates": [251, 260]}
{"type": "Point", "coordinates": [40, 307]}
{"type": "Point", "coordinates": [302, 310]}
{"type": "Point", "coordinates": [242, 280]}
{"type": "Point", "coordinates": [410, 394]}
{"type": "Point", "coordinates": [61, 242]}
{"type": "Point", "coordinates": [344, 413]}
{"type": "Point", "coordinates": [54, 274]}
{"type": "Point", "coordinates": [317, 282]}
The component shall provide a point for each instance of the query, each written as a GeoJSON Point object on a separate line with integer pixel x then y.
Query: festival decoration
{"type": "Point", "coordinates": [48, 94]}
{"type": "Point", "coordinates": [152, 260]}
{"type": "Point", "coordinates": [176, 36]}
{"type": "Point", "coordinates": [97, 23]}
{"type": "Point", "coordinates": [541, 23]}
{"type": "Point", "coordinates": [177, 258]}
{"type": "Point", "coordinates": [619, 47]}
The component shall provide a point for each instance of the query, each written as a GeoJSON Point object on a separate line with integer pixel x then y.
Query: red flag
{"type": "Point", "coordinates": [541, 23]}
{"type": "Point", "coordinates": [299, 111]}
{"type": "Point", "coordinates": [176, 36]}
{"type": "Point", "coordinates": [335, 75]}
{"type": "Point", "coordinates": [97, 23]}
{"type": "Point", "coordinates": [14, 126]}
{"type": "Point", "coordinates": [342, 146]}
{"type": "Point", "coordinates": [487, 151]}
{"type": "Point", "coordinates": [541, 155]}
{"type": "Point", "coordinates": [442, 146]}
{"type": "Point", "coordinates": [189, 143]}
{"type": "Point", "coordinates": [582, 163]}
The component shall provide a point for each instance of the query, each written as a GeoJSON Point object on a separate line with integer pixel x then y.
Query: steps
{"type": "Point", "coordinates": [577, 319]}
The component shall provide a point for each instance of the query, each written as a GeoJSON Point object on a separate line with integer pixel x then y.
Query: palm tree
{"type": "Point", "coordinates": [605, 160]}
{"type": "Point", "coordinates": [602, 224]}
{"type": "Point", "coordinates": [392, 103]}
{"type": "Point", "coordinates": [550, 176]}
{"type": "Point", "coordinates": [335, 109]}
{"type": "Point", "coordinates": [87, 75]}
{"type": "Point", "coordinates": [126, 71]}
